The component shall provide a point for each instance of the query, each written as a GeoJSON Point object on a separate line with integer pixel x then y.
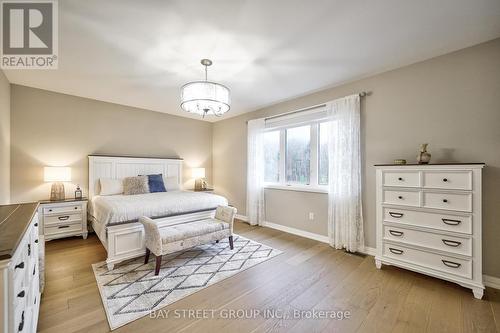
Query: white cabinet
{"type": "Point", "coordinates": [63, 218]}
{"type": "Point", "coordinates": [429, 221]}
{"type": "Point", "coordinates": [20, 277]}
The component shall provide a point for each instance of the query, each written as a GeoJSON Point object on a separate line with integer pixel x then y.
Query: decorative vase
{"type": "Point", "coordinates": [423, 157]}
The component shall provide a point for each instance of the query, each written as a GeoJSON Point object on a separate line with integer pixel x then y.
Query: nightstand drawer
{"type": "Point", "coordinates": [402, 178]}
{"type": "Point", "coordinates": [64, 209]}
{"type": "Point", "coordinates": [62, 219]}
{"type": "Point", "coordinates": [401, 197]}
{"type": "Point", "coordinates": [63, 228]}
{"type": "Point", "coordinates": [456, 180]}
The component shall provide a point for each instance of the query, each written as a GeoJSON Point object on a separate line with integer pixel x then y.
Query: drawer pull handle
{"type": "Point", "coordinates": [36, 240]}
{"type": "Point", "coordinates": [451, 264]}
{"type": "Point", "coordinates": [63, 218]}
{"type": "Point", "coordinates": [445, 180]}
{"type": "Point", "coordinates": [396, 251]}
{"type": "Point", "coordinates": [63, 226]}
{"type": "Point", "coordinates": [21, 324]}
{"type": "Point", "coordinates": [396, 215]}
{"type": "Point", "coordinates": [451, 243]}
{"type": "Point", "coordinates": [400, 197]}
{"type": "Point", "coordinates": [21, 265]}
{"type": "Point", "coordinates": [396, 233]}
{"type": "Point", "coordinates": [21, 294]}
{"type": "Point", "coordinates": [445, 200]}
{"type": "Point", "coordinates": [400, 179]}
{"type": "Point", "coordinates": [76, 207]}
{"type": "Point", "coordinates": [34, 270]}
{"type": "Point", "coordinates": [36, 224]}
{"type": "Point", "coordinates": [451, 222]}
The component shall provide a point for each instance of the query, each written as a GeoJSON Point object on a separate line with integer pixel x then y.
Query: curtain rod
{"type": "Point", "coordinates": [361, 94]}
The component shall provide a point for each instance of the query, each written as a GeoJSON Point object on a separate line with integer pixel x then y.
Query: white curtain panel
{"type": "Point", "coordinates": [345, 218]}
{"type": "Point", "coordinates": [255, 172]}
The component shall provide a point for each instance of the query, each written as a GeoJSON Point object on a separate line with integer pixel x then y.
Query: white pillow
{"type": "Point", "coordinates": [111, 186]}
{"type": "Point", "coordinates": [171, 183]}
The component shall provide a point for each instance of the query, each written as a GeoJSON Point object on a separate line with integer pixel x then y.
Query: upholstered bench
{"type": "Point", "coordinates": [184, 235]}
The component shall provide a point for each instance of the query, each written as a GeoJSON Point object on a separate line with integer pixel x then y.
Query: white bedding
{"type": "Point", "coordinates": [123, 208]}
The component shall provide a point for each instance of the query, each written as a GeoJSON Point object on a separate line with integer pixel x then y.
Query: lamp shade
{"type": "Point", "coordinates": [57, 174]}
{"type": "Point", "coordinates": [198, 173]}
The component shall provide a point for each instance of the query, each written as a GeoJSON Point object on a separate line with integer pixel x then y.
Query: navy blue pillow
{"type": "Point", "coordinates": [155, 183]}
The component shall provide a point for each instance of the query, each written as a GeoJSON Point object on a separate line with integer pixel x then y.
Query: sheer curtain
{"type": "Point", "coordinates": [345, 217]}
{"type": "Point", "coordinates": [255, 172]}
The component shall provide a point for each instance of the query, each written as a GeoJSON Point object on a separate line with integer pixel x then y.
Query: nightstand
{"type": "Point", "coordinates": [63, 218]}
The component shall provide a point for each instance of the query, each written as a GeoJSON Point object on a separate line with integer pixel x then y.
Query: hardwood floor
{"type": "Point", "coordinates": [308, 275]}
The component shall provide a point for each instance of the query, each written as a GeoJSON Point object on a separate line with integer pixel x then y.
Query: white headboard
{"type": "Point", "coordinates": [116, 167]}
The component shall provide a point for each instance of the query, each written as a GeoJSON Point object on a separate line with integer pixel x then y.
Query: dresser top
{"type": "Point", "coordinates": [424, 165]}
{"type": "Point", "coordinates": [14, 220]}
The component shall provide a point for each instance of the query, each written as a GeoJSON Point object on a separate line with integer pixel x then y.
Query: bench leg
{"type": "Point", "coordinates": [158, 264]}
{"type": "Point", "coordinates": [147, 256]}
{"type": "Point", "coordinates": [231, 245]}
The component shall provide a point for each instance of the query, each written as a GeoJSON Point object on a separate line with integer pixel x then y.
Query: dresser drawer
{"type": "Point", "coordinates": [62, 210]}
{"type": "Point", "coordinates": [401, 197]}
{"type": "Point", "coordinates": [64, 228]}
{"type": "Point", "coordinates": [455, 223]}
{"type": "Point", "coordinates": [455, 180]}
{"type": "Point", "coordinates": [460, 267]}
{"type": "Point", "coordinates": [401, 178]}
{"type": "Point", "coordinates": [457, 245]}
{"type": "Point", "coordinates": [450, 201]}
{"type": "Point", "coordinates": [62, 219]}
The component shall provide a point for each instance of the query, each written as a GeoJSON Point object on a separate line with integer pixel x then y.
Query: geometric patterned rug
{"type": "Point", "coordinates": [131, 290]}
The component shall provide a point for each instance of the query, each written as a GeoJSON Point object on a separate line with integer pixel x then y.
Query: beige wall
{"type": "Point", "coordinates": [55, 129]}
{"type": "Point", "coordinates": [4, 139]}
{"type": "Point", "coordinates": [451, 102]}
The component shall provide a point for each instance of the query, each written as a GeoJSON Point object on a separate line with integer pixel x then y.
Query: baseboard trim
{"type": "Point", "coordinates": [241, 217]}
{"type": "Point", "coordinates": [371, 251]}
{"type": "Point", "coordinates": [298, 232]}
{"type": "Point", "coordinates": [491, 281]}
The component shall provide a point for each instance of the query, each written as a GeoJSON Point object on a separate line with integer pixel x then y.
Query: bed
{"type": "Point", "coordinates": [115, 218]}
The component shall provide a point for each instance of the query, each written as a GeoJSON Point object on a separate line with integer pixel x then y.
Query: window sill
{"type": "Point", "coordinates": [298, 188]}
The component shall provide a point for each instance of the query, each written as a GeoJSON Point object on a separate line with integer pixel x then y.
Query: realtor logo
{"type": "Point", "coordinates": [29, 34]}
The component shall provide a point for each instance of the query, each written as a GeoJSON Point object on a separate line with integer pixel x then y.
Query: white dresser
{"type": "Point", "coordinates": [19, 268]}
{"type": "Point", "coordinates": [429, 221]}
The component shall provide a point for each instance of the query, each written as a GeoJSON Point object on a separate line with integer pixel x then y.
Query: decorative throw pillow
{"type": "Point", "coordinates": [155, 183]}
{"type": "Point", "coordinates": [111, 186]}
{"type": "Point", "coordinates": [135, 185]}
{"type": "Point", "coordinates": [171, 184]}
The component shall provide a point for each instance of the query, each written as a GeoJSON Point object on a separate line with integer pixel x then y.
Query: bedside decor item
{"type": "Point", "coordinates": [57, 175]}
{"type": "Point", "coordinates": [78, 193]}
{"type": "Point", "coordinates": [400, 161]}
{"type": "Point", "coordinates": [205, 97]}
{"type": "Point", "coordinates": [423, 157]}
{"type": "Point", "coordinates": [199, 176]}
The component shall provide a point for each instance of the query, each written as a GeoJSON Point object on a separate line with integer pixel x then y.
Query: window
{"type": "Point", "coordinates": [323, 154]}
{"type": "Point", "coordinates": [272, 156]}
{"type": "Point", "coordinates": [298, 154]}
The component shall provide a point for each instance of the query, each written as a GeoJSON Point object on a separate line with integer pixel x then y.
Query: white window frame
{"type": "Point", "coordinates": [313, 185]}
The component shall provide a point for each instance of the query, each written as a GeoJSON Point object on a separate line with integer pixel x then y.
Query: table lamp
{"type": "Point", "coordinates": [198, 175]}
{"type": "Point", "coordinates": [57, 175]}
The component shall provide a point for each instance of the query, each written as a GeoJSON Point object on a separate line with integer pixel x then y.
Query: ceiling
{"type": "Point", "coordinates": [139, 53]}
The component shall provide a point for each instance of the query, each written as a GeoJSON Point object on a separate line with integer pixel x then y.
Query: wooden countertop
{"type": "Point", "coordinates": [14, 220]}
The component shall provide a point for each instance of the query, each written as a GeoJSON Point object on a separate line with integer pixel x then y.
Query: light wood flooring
{"type": "Point", "coordinates": [308, 275]}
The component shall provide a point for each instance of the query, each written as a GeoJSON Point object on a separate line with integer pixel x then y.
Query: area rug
{"type": "Point", "coordinates": [131, 290]}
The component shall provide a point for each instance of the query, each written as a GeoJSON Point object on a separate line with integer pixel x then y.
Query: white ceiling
{"type": "Point", "coordinates": [139, 53]}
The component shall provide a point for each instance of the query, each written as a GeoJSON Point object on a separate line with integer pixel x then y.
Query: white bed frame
{"type": "Point", "coordinates": [126, 241]}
